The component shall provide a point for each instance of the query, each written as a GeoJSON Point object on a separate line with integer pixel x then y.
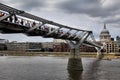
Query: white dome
{"type": "Point", "coordinates": [105, 35]}
{"type": "Point", "coordinates": [104, 31]}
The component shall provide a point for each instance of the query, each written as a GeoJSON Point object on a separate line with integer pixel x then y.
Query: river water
{"type": "Point", "coordinates": [55, 68]}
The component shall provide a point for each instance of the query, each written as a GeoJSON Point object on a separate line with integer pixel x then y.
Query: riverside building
{"type": "Point", "coordinates": [3, 43]}
{"type": "Point", "coordinates": [118, 41]}
{"type": "Point", "coordinates": [24, 46]}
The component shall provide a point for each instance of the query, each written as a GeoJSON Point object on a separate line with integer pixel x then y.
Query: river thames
{"type": "Point", "coordinates": [55, 68]}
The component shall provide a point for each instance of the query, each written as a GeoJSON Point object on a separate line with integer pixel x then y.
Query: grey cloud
{"type": "Point", "coordinates": [32, 4]}
{"type": "Point", "coordinates": [90, 7]}
{"type": "Point", "coordinates": [112, 21]}
{"type": "Point", "coordinates": [26, 4]}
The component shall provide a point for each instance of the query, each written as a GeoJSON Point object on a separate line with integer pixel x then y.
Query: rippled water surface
{"type": "Point", "coordinates": [55, 68]}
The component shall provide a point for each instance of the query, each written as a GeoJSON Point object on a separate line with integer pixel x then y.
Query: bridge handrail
{"type": "Point", "coordinates": [28, 23]}
{"type": "Point", "coordinates": [21, 13]}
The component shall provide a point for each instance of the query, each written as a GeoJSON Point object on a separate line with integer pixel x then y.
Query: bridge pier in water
{"type": "Point", "coordinates": [100, 55]}
{"type": "Point", "coordinates": [75, 62]}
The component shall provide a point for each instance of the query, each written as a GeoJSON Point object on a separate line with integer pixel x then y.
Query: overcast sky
{"type": "Point", "coordinates": [82, 14]}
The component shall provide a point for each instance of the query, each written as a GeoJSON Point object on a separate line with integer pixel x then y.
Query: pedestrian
{"type": "Point", "coordinates": [27, 24]}
{"type": "Point", "coordinates": [22, 22]}
{"type": "Point", "coordinates": [33, 24]}
{"type": "Point", "coordinates": [15, 19]}
{"type": "Point", "coordinates": [11, 18]}
{"type": "Point", "coordinates": [1, 14]}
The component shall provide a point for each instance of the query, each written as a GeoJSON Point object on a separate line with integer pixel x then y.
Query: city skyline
{"type": "Point", "coordinates": [82, 14]}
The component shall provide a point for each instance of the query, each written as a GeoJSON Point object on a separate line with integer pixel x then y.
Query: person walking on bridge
{"type": "Point", "coordinates": [1, 14]}
{"type": "Point", "coordinates": [15, 19]}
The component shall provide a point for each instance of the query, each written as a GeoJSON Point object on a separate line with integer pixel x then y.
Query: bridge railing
{"type": "Point", "coordinates": [17, 19]}
{"type": "Point", "coordinates": [30, 23]}
{"type": "Point", "coordinates": [20, 20]}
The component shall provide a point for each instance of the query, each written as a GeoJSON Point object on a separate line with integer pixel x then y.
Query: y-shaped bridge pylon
{"type": "Point", "coordinates": [75, 62]}
{"type": "Point", "coordinates": [100, 54]}
{"type": "Point", "coordinates": [75, 46]}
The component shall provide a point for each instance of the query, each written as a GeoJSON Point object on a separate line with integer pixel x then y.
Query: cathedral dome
{"type": "Point", "coordinates": [105, 35]}
{"type": "Point", "coordinates": [104, 31]}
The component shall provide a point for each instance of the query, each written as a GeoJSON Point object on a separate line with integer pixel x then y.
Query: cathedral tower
{"type": "Point", "coordinates": [105, 35]}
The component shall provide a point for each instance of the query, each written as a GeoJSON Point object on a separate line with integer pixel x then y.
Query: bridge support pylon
{"type": "Point", "coordinates": [100, 51]}
{"type": "Point", "coordinates": [75, 61]}
{"type": "Point", "coordinates": [100, 55]}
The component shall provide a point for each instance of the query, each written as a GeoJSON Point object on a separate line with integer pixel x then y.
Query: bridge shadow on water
{"type": "Point", "coordinates": [91, 72]}
{"type": "Point", "coordinates": [74, 75]}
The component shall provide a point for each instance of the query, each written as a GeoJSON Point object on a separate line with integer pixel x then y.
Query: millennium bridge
{"type": "Point", "coordinates": [17, 21]}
